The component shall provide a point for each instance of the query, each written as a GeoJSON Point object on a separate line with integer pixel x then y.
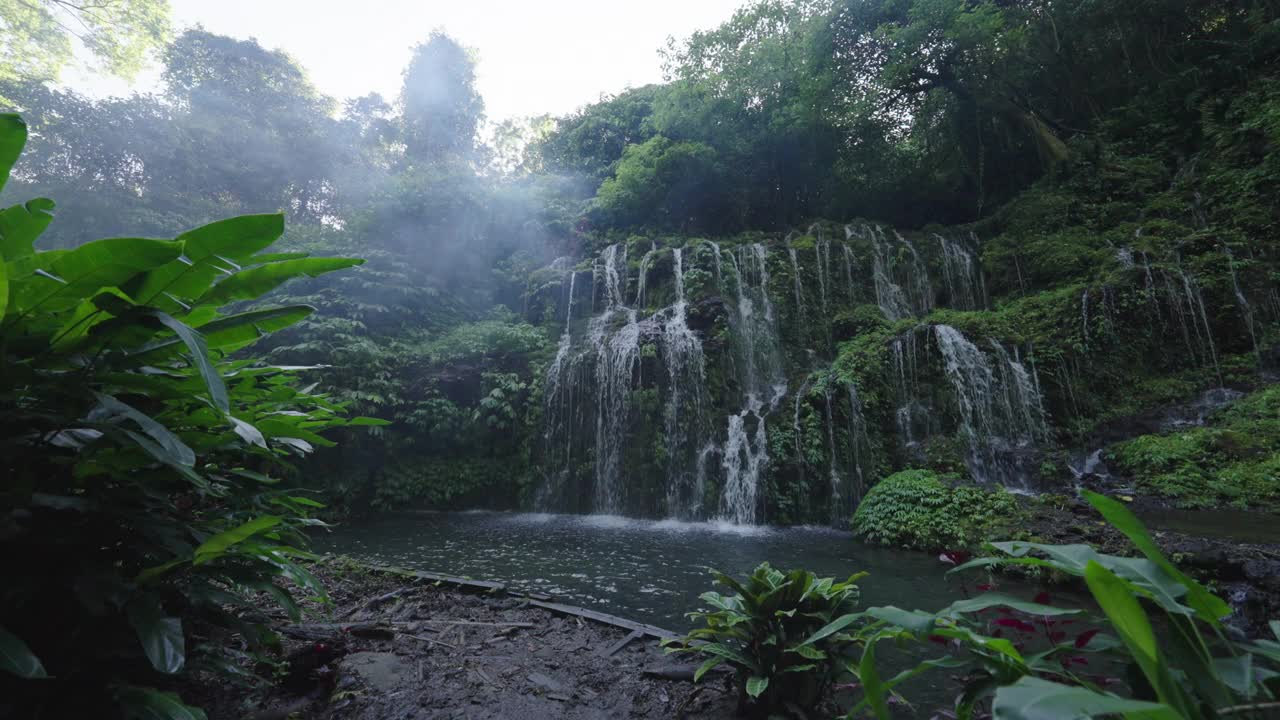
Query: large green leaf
{"type": "Point", "coordinates": [989, 600]}
{"type": "Point", "coordinates": [833, 627]}
{"type": "Point", "coordinates": [174, 451]}
{"type": "Point", "coordinates": [200, 355]}
{"type": "Point", "coordinates": [728, 653]}
{"type": "Point", "coordinates": [710, 664]}
{"type": "Point", "coordinates": [258, 281]}
{"type": "Point", "coordinates": [218, 544]}
{"type": "Point", "coordinates": [148, 704]}
{"type": "Point", "coordinates": [229, 333]}
{"type": "Point", "coordinates": [869, 676]}
{"type": "Point", "coordinates": [756, 685]}
{"type": "Point", "coordinates": [1134, 628]}
{"type": "Point", "coordinates": [1208, 606]}
{"type": "Point", "coordinates": [13, 136]}
{"type": "Point", "coordinates": [4, 287]}
{"type": "Point", "coordinates": [20, 225]}
{"type": "Point", "coordinates": [208, 252]}
{"type": "Point", "coordinates": [915, 621]}
{"type": "Point", "coordinates": [17, 658]}
{"type": "Point", "coordinates": [57, 281]}
{"type": "Point", "coordinates": [1034, 699]}
{"type": "Point", "coordinates": [161, 636]}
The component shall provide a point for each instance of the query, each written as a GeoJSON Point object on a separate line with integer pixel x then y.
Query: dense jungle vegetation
{"type": "Point", "coordinates": [857, 263]}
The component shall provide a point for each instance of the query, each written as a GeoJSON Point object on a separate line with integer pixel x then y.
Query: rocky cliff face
{"type": "Point", "coordinates": [776, 378]}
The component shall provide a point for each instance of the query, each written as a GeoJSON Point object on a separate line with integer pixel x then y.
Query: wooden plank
{"type": "Point", "coordinates": [532, 599]}
{"type": "Point", "coordinates": [605, 618]}
{"type": "Point", "coordinates": [485, 585]}
{"type": "Point", "coordinates": [634, 635]}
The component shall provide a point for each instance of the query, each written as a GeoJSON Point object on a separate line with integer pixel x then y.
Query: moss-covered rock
{"type": "Point", "coordinates": [1233, 460]}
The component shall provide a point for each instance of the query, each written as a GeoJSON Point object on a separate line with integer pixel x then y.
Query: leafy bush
{"type": "Point", "coordinates": [141, 461]}
{"type": "Point", "coordinates": [487, 337]}
{"type": "Point", "coordinates": [914, 509]}
{"type": "Point", "coordinates": [782, 634]}
{"type": "Point", "coordinates": [1023, 660]}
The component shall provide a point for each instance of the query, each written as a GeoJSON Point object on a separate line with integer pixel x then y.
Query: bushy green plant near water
{"type": "Point", "coordinates": [781, 632]}
{"type": "Point", "coordinates": [143, 460]}
{"type": "Point", "coordinates": [1035, 660]}
{"type": "Point", "coordinates": [1233, 460]}
{"type": "Point", "coordinates": [915, 509]}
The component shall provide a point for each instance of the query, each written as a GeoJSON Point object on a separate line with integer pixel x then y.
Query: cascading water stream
{"type": "Point", "coordinates": [1246, 310]}
{"type": "Point", "coordinates": [684, 410]}
{"type": "Point", "coordinates": [860, 446]}
{"type": "Point", "coordinates": [1001, 413]}
{"type": "Point", "coordinates": [837, 482]}
{"type": "Point", "coordinates": [760, 374]}
{"type": "Point", "coordinates": [962, 276]}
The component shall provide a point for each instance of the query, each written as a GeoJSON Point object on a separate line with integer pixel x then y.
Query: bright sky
{"type": "Point", "coordinates": [535, 56]}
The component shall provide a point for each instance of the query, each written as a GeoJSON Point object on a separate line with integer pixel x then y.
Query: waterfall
{"type": "Point", "coordinates": [795, 274]}
{"type": "Point", "coordinates": [1000, 410]}
{"type": "Point", "coordinates": [823, 252]}
{"type": "Point", "coordinates": [617, 353]}
{"type": "Point", "coordinates": [1195, 306]}
{"type": "Point", "coordinates": [860, 447]}
{"type": "Point", "coordinates": [559, 404]}
{"type": "Point", "coordinates": [797, 430]}
{"type": "Point", "coordinates": [1084, 317]}
{"type": "Point", "coordinates": [643, 278]}
{"type": "Point", "coordinates": [760, 376]}
{"type": "Point", "coordinates": [1242, 300]}
{"type": "Point", "coordinates": [897, 301]}
{"type": "Point", "coordinates": [684, 411]}
{"type": "Point", "coordinates": [837, 482]}
{"type": "Point", "coordinates": [591, 382]}
{"type": "Point", "coordinates": [905, 353]}
{"type": "Point", "coordinates": [962, 276]}
{"type": "Point", "coordinates": [848, 270]}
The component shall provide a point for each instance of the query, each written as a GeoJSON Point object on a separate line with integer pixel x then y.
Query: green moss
{"type": "Point", "coordinates": [1233, 460]}
{"type": "Point", "coordinates": [914, 509]}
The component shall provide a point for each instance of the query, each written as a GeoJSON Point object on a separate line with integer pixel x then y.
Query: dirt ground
{"type": "Point", "coordinates": [390, 647]}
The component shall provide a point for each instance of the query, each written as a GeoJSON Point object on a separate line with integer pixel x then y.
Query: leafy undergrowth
{"type": "Point", "coordinates": [915, 509]}
{"type": "Point", "coordinates": [1233, 460]}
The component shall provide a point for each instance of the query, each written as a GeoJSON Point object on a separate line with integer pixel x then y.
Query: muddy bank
{"type": "Point", "coordinates": [392, 646]}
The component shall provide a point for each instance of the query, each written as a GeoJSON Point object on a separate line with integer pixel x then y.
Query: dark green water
{"type": "Point", "coordinates": [651, 571]}
{"type": "Point", "coordinates": [1238, 525]}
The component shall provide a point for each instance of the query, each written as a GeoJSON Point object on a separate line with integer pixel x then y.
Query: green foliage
{"type": "Point", "coordinates": [781, 632]}
{"type": "Point", "coordinates": [663, 184]}
{"type": "Point", "coordinates": [914, 509]}
{"type": "Point", "coordinates": [119, 35]}
{"type": "Point", "coordinates": [1040, 670]}
{"type": "Point", "coordinates": [142, 458]}
{"type": "Point", "coordinates": [493, 338]}
{"type": "Point", "coordinates": [1234, 460]}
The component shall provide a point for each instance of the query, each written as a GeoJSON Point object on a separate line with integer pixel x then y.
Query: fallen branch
{"type": "Point", "coordinates": [380, 600]}
{"type": "Point", "coordinates": [430, 640]}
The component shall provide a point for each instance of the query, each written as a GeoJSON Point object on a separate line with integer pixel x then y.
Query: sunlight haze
{"type": "Point", "coordinates": [548, 57]}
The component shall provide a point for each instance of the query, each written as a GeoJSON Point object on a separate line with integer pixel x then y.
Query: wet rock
{"type": "Point", "coordinates": [383, 671]}
{"type": "Point", "coordinates": [546, 683]}
{"type": "Point", "coordinates": [1263, 572]}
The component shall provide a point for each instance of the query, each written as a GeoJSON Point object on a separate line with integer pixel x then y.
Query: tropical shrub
{"type": "Point", "coordinates": [782, 634]}
{"type": "Point", "coordinates": [914, 509]}
{"type": "Point", "coordinates": [144, 460]}
{"type": "Point", "coordinates": [1024, 660]}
